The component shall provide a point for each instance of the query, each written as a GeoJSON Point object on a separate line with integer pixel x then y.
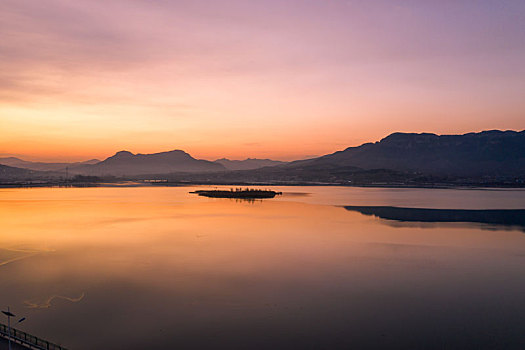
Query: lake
{"type": "Point", "coordinates": [315, 268]}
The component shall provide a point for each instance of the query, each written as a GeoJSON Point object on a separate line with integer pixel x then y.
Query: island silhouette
{"type": "Point", "coordinates": [247, 193]}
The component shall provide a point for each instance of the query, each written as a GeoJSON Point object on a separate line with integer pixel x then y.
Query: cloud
{"type": "Point", "coordinates": [195, 70]}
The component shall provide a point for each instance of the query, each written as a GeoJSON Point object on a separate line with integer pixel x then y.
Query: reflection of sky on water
{"type": "Point", "coordinates": [410, 197]}
{"type": "Point", "coordinates": [158, 267]}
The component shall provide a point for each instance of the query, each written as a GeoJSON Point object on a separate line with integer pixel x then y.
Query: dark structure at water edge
{"type": "Point", "coordinates": [247, 193]}
{"type": "Point", "coordinates": [499, 217]}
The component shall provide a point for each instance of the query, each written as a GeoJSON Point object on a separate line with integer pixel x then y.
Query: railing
{"type": "Point", "coordinates": [27, 339]}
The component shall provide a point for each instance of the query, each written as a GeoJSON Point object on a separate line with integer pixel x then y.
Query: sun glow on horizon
{"type": "Point", "coordinates": [282, 80]}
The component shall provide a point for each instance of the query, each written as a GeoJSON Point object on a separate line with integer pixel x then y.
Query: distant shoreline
{"type": "Point", "coordinates": [130, 183]}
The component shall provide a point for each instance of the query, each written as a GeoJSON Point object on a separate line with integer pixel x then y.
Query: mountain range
{"type": "Point", "coordinates": [487, 153]}
{"type": "Point", "coordinates": [398, 158]}
{"type": "Point", "coordinates": [125, 163]}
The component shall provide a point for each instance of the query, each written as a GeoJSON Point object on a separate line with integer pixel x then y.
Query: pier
{"type": "Point", "coordinates": [22, 340]}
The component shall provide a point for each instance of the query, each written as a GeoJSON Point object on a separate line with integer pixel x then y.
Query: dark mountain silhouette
{"type": "Point", "coordinates": [489, 158]}
{"type": "Point", "coordinates": [488, 153]}
{"type": "Point", "coordinates": [247, 164]}
{"type": "Point", "coordinates": [125, 163]}
{"type": "Point", "coordinates": [43, 166]}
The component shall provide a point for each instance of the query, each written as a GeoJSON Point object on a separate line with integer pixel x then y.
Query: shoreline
{"type": "Point", "coordinates": [130, 183]}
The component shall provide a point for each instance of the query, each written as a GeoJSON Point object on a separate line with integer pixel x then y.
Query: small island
{"type": "Point", "coordinates": [247, 193]}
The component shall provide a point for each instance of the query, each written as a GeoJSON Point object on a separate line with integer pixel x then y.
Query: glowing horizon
{"type": "Point", "coordinates": [281, 79]}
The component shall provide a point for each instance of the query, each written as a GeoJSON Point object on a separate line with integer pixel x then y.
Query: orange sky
{"type": "Point", "coordinates": [237, 79]}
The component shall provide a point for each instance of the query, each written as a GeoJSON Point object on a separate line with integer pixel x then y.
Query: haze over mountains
{"type": "Point", "coordinates": [247, 164]}
{"type": "Point", "coordinates": [125, 163]}
{"type": "Point", "coordinates": [397, 158]}
{"type": "Point", "coordinates": [12, 173]}
{"type": "Point", "coordinates": [42, 166]}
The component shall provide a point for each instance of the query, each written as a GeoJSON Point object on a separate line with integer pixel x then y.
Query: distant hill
{"type": "Point", "coordinates": [247, 164]}
{"type": "Point", "coordinates": [8, 173]}
{"type": "Point", "coordinates": [43, 166]}
{"type": "Point", "coordinates": [489, 158]}
{"type": "Point", "coordinates": [125, 163]}
{"type": "Point", "coordinates": [488, 153]}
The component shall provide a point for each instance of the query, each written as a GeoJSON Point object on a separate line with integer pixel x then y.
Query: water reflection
{"type": "Point", "coordinates": [512, 218]}
{"type": "Point", "coordinates": [158, 268]}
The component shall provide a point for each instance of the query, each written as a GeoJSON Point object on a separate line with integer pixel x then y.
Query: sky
{"type": "Point", "coordinates": [274, 79]}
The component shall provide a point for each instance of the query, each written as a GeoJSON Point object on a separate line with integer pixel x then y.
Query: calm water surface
{"type": "Point", "coordinates": [159, 268]}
